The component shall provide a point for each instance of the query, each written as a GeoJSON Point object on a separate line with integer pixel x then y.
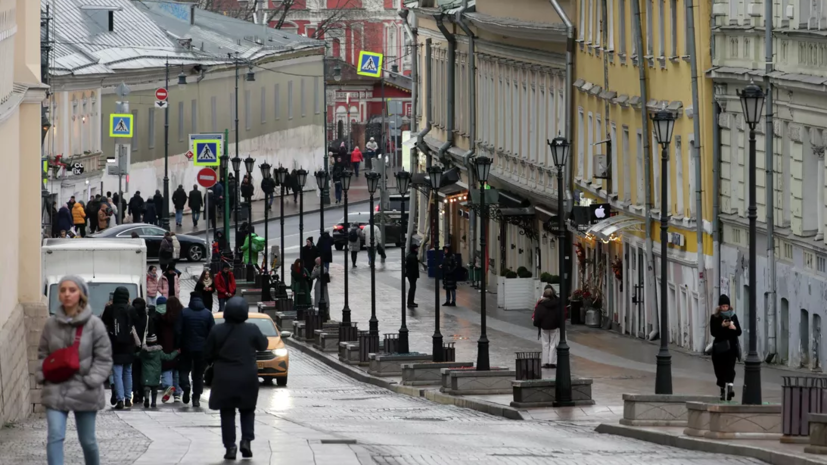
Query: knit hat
{"type": "Point", "coordinates": [81, 284]}
{"type": "Point", "coordinates": [151, 339]}
{"type": "Point", "coordinates": [723, 300]}
{"type": "Point", "coordinates": [161, 305]}
{"type": "Point", "coordinates": [161, 300]}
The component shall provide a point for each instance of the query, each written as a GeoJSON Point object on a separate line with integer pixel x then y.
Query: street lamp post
{"type": "Point", "coordinates": [238, 266]}
{"type": "Point", "coordinates": [269, 187]}
{"type": "Point", "coordinates": [373, 183]}
{"type": "Point", "coordinates": [664, 123]}
{"type": "Point", "coordinates": [346, 177]}
{"type": "Point", "coordinates": [752, 104]}
{"type": "Point", "coordinates": [281, 176]}
{"type": "Point", "coordinates": [562, 385]}
{"type": "Point", "coordinates": [165, 211]}
{"type": "Point", "coordinates": [301, 179]}
{"type": "Point", "coordinates": [483, 166]}
{"type": "Point", "coordinates": [435, 174]}
{"type": "Point", "coordinates": [249, 165]}
{"type": "Point", "coordinates": [403, 181]}
{"type": "Point", "coordinates": [321, 181]}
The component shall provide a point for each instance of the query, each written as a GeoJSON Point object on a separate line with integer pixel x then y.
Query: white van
{"type": "Point", "coordinates": [105, 264]}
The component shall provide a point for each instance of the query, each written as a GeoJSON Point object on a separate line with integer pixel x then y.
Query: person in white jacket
{"type": "Point", "coordinates": [370, 152]}
{"type": "Point", "coordinates": [375, 232]}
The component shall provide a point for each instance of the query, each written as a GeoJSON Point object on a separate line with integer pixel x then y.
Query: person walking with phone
{"type": "Point", "coordinates": [725, 328]}
{"type": "Point", "coordinates": [79, 388]}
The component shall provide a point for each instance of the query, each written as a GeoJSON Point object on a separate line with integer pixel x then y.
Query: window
{"type": "Point", "coordinates": [289, 99]}
{"type": "Point", "coordinates": [641, 176]}
{"type": "Point", "coordinates": [247, 110]}
{"type": "Point", "coordinates": [582, 13]}
{"type": "Point", "coordinates": [733, 9]}
{"type": "Point", "coordinates": [581, 141]}
{"type": "Point", "coordinates": [277, 102]}
{"type": "Point", "coordinates": [622, 23]}
{"type": "Point", "coordinates": [613, 160]}
{"type": "Point", "coordinates": [611, 20]}
{"type": "Point", "coordinates": [135, 127]}
{"type": "Point", "coordinates": [233, 116]}
{"type": "Point", "coordinates": [674, 28]}
{"type": "Point", "coordinates": [598, 136]}
{"type": "Point", "coordinates": [598, 27]}
{"type": "Point", "coordinates": [213, 114]}
{"type": "Point", "coordinates": [316, 100]}
{"type": "Point", "coordinates": [661, 27]}
{"type": "Point", "coordinates": [649, 28]}
{"type": "Point", "coordinates": [263, 105]}
{"type": "Point", "coordinates": [809, 260]}
{"type": "Point", "coordinates": [591, 21]}
{"type": "Point", "coordinates": [180, 121]}
{"type": "Point", "coordinates": [194, 116]}
{"type": "Point", "coordinates": [678, 177]}
{"type": "Point", "coordinates": [788, 251]}
{"type": "Point", "coordinates": [301, 98]}
{"type": "Point", "coordinates": [151, 126]}
{"type": "Point", "coordinates": [590, 148]}
{"type": "Point", "coordinates": [692, 179]}
{"type": "Point", "coordinates": [627, 170]}
{"type": "Point", "coordinates": [821, 264]}
{"type": "Point", "coordinates": [500, 108]}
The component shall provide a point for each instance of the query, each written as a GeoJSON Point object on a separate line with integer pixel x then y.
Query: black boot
{"type": "Point", "coordinates": [186, 398]}
{"type": "Point", "coordinates": [244, 447]}
{"type": "Point", "coordinates": [730, 391]}
{"type": "Point", "coordinates": [231, 453]}
{"type": "Point", "coordinates": [196, 401]}
{"type": "Point", "coordinates": [723, 394]}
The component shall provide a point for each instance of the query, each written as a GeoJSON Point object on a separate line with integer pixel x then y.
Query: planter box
{"type": "Point", "coordinates": [541, 392]}
{"type": "Point", "coordinates": [733, 421]}
{"type": "Point", "coordinates": [251, 295]}
{"type": "Point", "coordinates": [284, 319]}
{"type": "Point", "coordinates": [818, 434]}
{"type": "Point", "coordinates": [349, 352]}
{"type": "Point", "coordinates": [516, 294]}
{"type": "Point", "coordinates": [445, 374]}
{"type": "Point", "coordinates": [541, 287]}
{"type": "Point", "coordinates": [326, 341]}
{"type": "Point", "coordinates": [474, 383]}
{"type": "Point", "coordinates": [424, 374]}
{"type": "Point", "coordinates": [298, 330]}
{"type": "Point", "coordinates": [391, 365]}
{"type": "Point", "coordinates": [658, 410]}
{"type": "Point", "coordinates": [241, 284]}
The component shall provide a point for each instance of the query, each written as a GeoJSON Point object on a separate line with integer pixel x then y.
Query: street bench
{"type": "Point", "coordinates": [445, 374]}
{"type": "Point", "coordinates": [424, 374]}
{"type": "Point", "coordinates": [391, 364]}
{"type": "Point", "coordinates": [733, 421]}
{"type": "Point", "coordinates": [251, 295]}
{"type": "Point", "coordinates": [474, 383]}
{"type": "Point", "coordinates": [533, 393]}
{"type": "Point", "coordinates": [658, 409]}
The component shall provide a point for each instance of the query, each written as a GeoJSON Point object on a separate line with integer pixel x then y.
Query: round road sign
{"type": "Point", "coordinates": [207, 177]}
{"type": "Point", "coordinates": [161, 94]}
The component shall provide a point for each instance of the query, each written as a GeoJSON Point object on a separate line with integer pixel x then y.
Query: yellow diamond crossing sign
{"type": "Point", "coordinates": [370, 64]}
{"type": "Point", "coordinates": [206, 152]}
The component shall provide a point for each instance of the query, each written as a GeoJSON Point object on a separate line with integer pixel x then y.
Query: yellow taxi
{"type": "Point", "coordinates": [273, 362]}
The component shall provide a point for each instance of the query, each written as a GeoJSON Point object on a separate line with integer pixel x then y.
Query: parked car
{"type": "Point", "coordinates": [394, 231]}
{"type": "Point", "coordinates": [193, 248]}
{"type": "Point", "coordinates": [272, 363]}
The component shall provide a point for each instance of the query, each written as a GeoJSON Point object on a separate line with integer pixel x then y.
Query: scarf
{"type": "Point", "coordinates": [207, 282]}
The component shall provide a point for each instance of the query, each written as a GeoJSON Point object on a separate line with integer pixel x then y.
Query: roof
{"type": "Point", "coordinates": [147, 33]}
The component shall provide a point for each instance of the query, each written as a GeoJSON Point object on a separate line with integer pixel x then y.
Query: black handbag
{"type": "Point", "coordinates": [720, 347]}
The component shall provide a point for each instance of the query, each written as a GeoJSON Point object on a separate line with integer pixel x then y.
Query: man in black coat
{"type": "Point", "coordinates": [412, 273]}
{"type": "Point", "coordinates": [547, 319]}
{"type": "Point", "coordinates": [326, 250]}
{"type": "Point", "coordinates": [119, 319]}
{"type": "Point", "coordinates": [268, 186]}
{"type": "Point", "coordinates": [136, 207]}
{"type": "Point", "coordinates": [158, 200]}
{"type": "Point", "coordinates": [309, 254]}
{"type": "Point", "coordinates": [231, 348]}
{"type": "Point", "coordinates": [179, 200]}
{"type": "Point", "coordinates": [196, 201]}
{"type": "Point", "coordinates": [194, 327]}
{"type": "Point", "coordinates": [144, 327]}
{"type": "Point", "coordinates": [92, 213]}
{"type": "Point", "coordinates": [210, 208]}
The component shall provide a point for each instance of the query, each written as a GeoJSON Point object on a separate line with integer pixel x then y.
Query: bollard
{"type": "Point", "coordinates": [348, 332]}
{"type": "Point", "coordinates": [311, 318]}
{"type": "Point", "coordinates": [449, 352]}
{"type": "Point", "coordinates": [391, 344]}
{"type": "Point", "coordinates": [528, 366]}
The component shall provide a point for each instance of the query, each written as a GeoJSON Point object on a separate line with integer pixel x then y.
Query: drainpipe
{"type": "Point", "coordinates": [420, 143]}
{"type": "Point", "coordinates": [412, 38]}
{"type": "Point", "coordinates": [769, 138]}
{"type": "Point", "coordinates": [569, 103]}
{"type": "Point", "coordinates": [472, 114]}
{"type": "Point", "coordinates": [452, 47]}
{"type": "Point", "coordinates": [696, 154]}
{"type": "Point", "coordinates": [644, 125]}
{"type": "Point", "coordinates": [716, 192]}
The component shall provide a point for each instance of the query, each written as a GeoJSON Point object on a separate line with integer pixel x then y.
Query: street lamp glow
{"type": "Point", "coordinates": [664, 123]}
{"type": "Point", "coordinates": [560, 152]}
{"type": "Point", "coordinates": [752, 103]}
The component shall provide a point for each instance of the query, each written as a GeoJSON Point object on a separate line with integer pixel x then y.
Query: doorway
{"type": "Point", "coordinates": [804, 338]}
{"type": "Point", "coordinates": [784, 333]}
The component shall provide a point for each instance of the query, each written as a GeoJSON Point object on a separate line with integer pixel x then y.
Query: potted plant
{"type": "Point", "coordinates": [518, 290]}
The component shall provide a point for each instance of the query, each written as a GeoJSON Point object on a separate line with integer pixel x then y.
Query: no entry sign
{"type": "Point", "coordinates": [161, 94]}
{"type": "Point", "coordinates": [207, 178]}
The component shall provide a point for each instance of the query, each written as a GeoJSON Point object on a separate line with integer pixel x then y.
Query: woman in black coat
{"type": "Point", "coordinates": [231, 349]}
{"type": "Point", "coordinates": [206, 286]}
{"type": "Point", "coordinates": [326, 250]}
{"type": "Point", "coordinates": [725, 328]}
{"type": "Point", "coordinates": [449, 278]}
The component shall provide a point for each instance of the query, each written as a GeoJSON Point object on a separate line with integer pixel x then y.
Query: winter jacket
{"type": "Point", "coordinates": [103, 218]}
{"type": "Point", "coordinates": [412, 266]}
{"type": "Point", "coordinates": [92, 209]}
{"type": "Point", "coordinates": [268, 184]}
{"type": "Point", "coordinates": [158, 200]}
{"type": "Point", "coordinates": [326, 247]}
{"type": "Point", "coordinates": [317, 273]}
{"type": "Point", "coordinates": [123, 353]}
{"type": "Point", "coordinates": [179, 198]}
{"type": "Point", "coordinates": [342, 151]}
{"type": "Point", "coordinates": [547, 314]}
{"type": "Point", "coordinates": [164, 286]}
{"type": "Point", "coordinates": [721, 334]}
{"type": "Point", "coordinates": [354, 246]}
{"type": "Point", "coordinates": [356, 156]}
{"type": "Point", "coordinates": [309, 256]}
{"type": "Point", "coordinates": [151, 285]}
{"type": "Point", "coordinates": [195, 324]}
{"type": "Point", "coordinates": [64, 219]}
{"type": "Point", "coordinates": [206, 293]}
{"type": "Point", "coordinates": [218, 191]}
{"type": "Point", "coordinates": [150, 215]}
{"type": "Point", "coordinates": [375, 232]}
{"type": "Point", "coordinates": [152, 358]}
{"type": "Point", "coordinates": [144, 322]}
{"type": "Point", "coordinates": [231, 348]}
{"type": "Point", "coordinates": [225, 285]}
{"type": "Point", "coordinates": [196, 200]}
{"type": "Point", "coordinates": [82, 392]}
{"type": "Point", "coordinates": [300, 285]}
{"type": "Point", "coordinates": [78, 214]}
{"type": "Point", "coordinates": [136, 205]}
{"type": "Point", "coordinates": [176, 248]}
{"type": "Point", "coordinates": [169, 337]}
{"type": "Point", "coordinates": [371, 146]}
{"type": "Point", "coordinates": [449, 268]}
{"type": "Point", "coordinates": [247, 190]}
{"type": "Point", "coordinates": [337, 172]}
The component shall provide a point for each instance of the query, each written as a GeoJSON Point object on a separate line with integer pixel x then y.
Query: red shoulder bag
{"type": "Point", "coordinates": [62, 364]}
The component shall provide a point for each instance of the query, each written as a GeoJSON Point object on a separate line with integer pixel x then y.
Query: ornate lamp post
{"type": "Point", "coordinates": [249, 165]}
{"type": "Point", "coordinates": [266, 175]}
{"type": "Point", "coordinates": [321, 181]}
{"type": "Point", "coordinates": [483, 166]}
{"type": "Point", "coordinates": [664, 123]}
{"type": "Point", "coordinates": [435, 175]}
{"type": "Point", "coordinates": [301, 179]}
{"type": "Point", "coordinates": [560, 152]}
{"type": "Point", "coordinates": [752, 104]}
{"type": "Point", "coordinates": [233, 192]}
{"type": "Point", "coordinates": [403, 182]}
{"type": "Point", "coordinates": [281, 178]}
{"type": "Point", "coordinates": [346, 334]}
{"type": "Point", "coordinates": [373, 184]}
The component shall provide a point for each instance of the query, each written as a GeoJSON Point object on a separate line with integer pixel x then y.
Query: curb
{"type": "Point", "coordinates": [716, 447]}
{"type": "Point", "coordinates": [489, 408]}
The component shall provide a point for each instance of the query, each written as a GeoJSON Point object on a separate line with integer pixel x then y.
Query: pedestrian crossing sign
{"type": "Point", "coordinates": [370, 64]}
{"type": "Point", "coordinates": [120, 125]}
{"type": "Point", "coordinates": [206, 152]}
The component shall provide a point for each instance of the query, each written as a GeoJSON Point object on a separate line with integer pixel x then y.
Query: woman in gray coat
{"type": "Point", "coordinates": [321, 277]}
{"type": "Point", "coordinates": [83, 392]}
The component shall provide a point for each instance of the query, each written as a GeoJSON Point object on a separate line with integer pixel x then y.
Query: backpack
{"type": "Point", "coordinates": [122, 326]}
{"type": "Point", "coordinates": [353, 236]}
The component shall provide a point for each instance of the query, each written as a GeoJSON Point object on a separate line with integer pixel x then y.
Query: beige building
{"type": "Point", "coordinates": [22, 312]}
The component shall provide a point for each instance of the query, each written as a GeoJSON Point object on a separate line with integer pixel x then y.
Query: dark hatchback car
{"type": "Point", "coordinates": [394, 231]}
{"type": "Point", "coordinates": [193, 249]}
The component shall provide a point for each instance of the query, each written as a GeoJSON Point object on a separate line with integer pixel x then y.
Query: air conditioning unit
{"type": "Point", "coordinates": [601, 167]}
{"type": "Point", "coordinates": [755, 9]}
{"type": "Point", "coordinates": [790, 12]}
{"type": "Point", "coordinates": [719, 9]}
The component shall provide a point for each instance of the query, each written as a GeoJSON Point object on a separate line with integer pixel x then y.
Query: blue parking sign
{"type": "Point", "coordinates": [206, 152]}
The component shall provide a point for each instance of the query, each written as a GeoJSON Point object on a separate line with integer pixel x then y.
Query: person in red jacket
{"type": "Point", "coordinates": [356, 158]}
{"type": "Point", "coordinates": [224, 285]}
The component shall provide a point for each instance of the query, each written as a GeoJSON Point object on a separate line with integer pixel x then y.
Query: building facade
{"type": "Point", "coordinates": [790, 332]}
{"type": "Point", "coordinates": [22, 310]}
{"type": "Point", "coordinates": [617, 163]}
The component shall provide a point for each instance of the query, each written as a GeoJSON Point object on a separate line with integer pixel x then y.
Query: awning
{"type": "Point", "coordinates": [610, 228]}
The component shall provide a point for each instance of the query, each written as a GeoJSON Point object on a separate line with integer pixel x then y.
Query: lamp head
{"type": "Point", "coordinates": [236, 160]}
{"type": "Point", "coordinates": [403, 181]}
{"type": "Point", "coordinates": [483, 165]}
{"type": "Point", "coordinates": [249, 164]}
{"type": "Point", "coordinates": [265, 170]}
{"type": "Point", "coordinates": [664, 123]}
{"type": "Point", "coordinates": [346, 176]}
{"type": "Point", "coordinates": [301, 177]}
{"type": "Point", "coordinates": [373, 182]}
{"type": "Point", "coordinates": [559, 151]}
{"type": "Point", "coordinates": [435, 174]}
{"type": "Point", "coordinates": [752, 103]}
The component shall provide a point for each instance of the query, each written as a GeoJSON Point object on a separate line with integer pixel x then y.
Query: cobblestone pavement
{"type": "Point", "coordinates": [324, 417]}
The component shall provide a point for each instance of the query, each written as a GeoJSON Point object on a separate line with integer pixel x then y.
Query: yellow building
{"type": "Point", "coordinates": [609, 96]}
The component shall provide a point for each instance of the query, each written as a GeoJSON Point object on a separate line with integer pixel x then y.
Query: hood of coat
{"type": "Point", "coordinates": [121, 296]}
{"type": "Point", "coordinates": [81, 318]}
{"type": "Point", "coordinates": [154, 348]}
{"type": "Point", "coordinates": [236, 310]}
{"type": "Point", "coordinates": [140, 306]}
{"type": "Point", "coordinates": [196, 302]}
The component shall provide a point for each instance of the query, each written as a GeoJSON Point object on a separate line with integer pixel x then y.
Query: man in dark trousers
{"type": "Point", "coordinates": [194, 326]}
{"type": "Point", "coordinates": [195, 203]}
{"type": "Point", "coordinates": [158, 200]}
{"type": "Point", "coordinates": [179, 200]}
{"type": "Point", "coordinates": [412, 273]}
{"type": "Point", "coordinates": [92, 212]}
{"type": "Point", "coordinates": [136, 207]}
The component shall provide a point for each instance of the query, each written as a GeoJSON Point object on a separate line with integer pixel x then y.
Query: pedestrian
{"type": "Point", "coordinates": [343, 152]}
{"type": "Point", "coordinates": [196, 201]}
{"type": "Point", "coordinates": [179, 200]}
{"type": "Point", "coordinates": [309, 254]}
{"type": "Point", "coordinates": [218, 194]}
{"type": "Point", "coordinates": [326, 250]}
{"type": "Point", "coordinates": [165, 251]}
{"type": "Point", "coordinates": [321, 277]}
{"type": "Point", "coordinates": [449, 277]}
{"type": "Point", "coordinates": [375, 233]}
{"type": "Point", "coordinates": [79, 218]}
{"type": "Point", "coordinates": [231, 348]}
{"type": "Point", "coordinates": [152, 357]}
{"type": "Point", "coordinates": [210, 208]}
{"type": "Point", "coordinates": [547, 319]}
{"type": "Point", "coordinates": [354, 242]}
{"type": "Point", "coordinates": [168, 312]}
{"type": "Point", "coordinates": [225, 285]}
{"type": "Point", "coordinates": [158, 200]}
{"type": "Point", "coordinates": [64, 219]}
{"type": "Point", "coordinates": [150, 213]}
{"type": "Point", "coordinates": [112, 211]}
{"type": "Point", "coordinates": [144, 327]}
{"type": "Point", "coordinates": [725, 329]}
{"type": "Point", "coordinates": [103, 217]}
{"type": "Point", "coordinates": [206, 288]}
{"type": "Point", "coordinates": [168, 285]}
{"type": "Point", "coordinates": [355, 158]}
{"type": "Point", "coordinates": [412, 273]}
{"type": "Point", "coordinates": [136, 207]}
{"type": "Point", "coordinates": [337, 173]}
{"type": "Point", "coordinates": [92, 213]}
{"type": "Point", "coordinates": [370, 151]}
{"type": "Point", "coordinates": [294, 185]}
{"type": "Point", "coordinates": [268, 186]}
{"type": "Point", "coordinates": [119, 319]}
{"type": "Point", "coordinates": [233, 194]}
{"type": "Point", "coordinates": [151, 284]}
{"type": "Point", "coordinates": [83, 391]}
{"type": "Point", "coordinates": [176, 248]}
{"type": "Point", "coordinates": [300, 284]}
{"type": "Point", "coordinates": [71, 203]}
{"type": "Point", "coordinates": [195, 323]}
{"type": "Point", "coordinates": [248, 190]}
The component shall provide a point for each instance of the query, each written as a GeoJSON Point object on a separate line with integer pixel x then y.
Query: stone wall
{"type": "Point", "coordinates": [14, 382]}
